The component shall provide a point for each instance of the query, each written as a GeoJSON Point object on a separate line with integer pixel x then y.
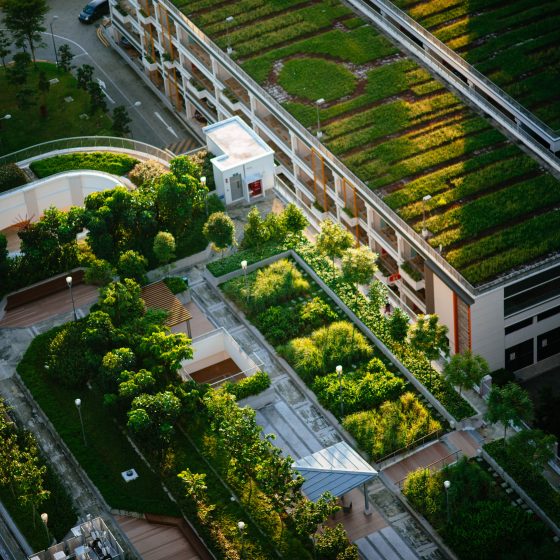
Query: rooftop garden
{"type": "Point", "coordinates": [398, 129]}
{"type": "Point", "coordinates": [514, 44]}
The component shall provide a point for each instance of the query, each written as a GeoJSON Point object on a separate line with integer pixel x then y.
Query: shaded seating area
{"type": "Point", "coordinates": [158, 296]}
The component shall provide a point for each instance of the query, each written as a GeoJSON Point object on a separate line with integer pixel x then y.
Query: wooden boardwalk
{"type": "Point", "coordinates": [157, 542]}
{"type": "Point", "coordinates": [45, 308]}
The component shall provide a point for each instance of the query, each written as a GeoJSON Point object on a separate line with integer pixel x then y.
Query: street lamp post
{"type": "Point", "coordinates": [241, 527]}
{"type": "Point", "coordinates": [447, 485]}
{"type": "Point", "coordinates": [45, 520]}
{"type": "Point", "coordinates": [244, 267]}
{"type": "Point", "coordinates": [317, 103]}
{"type": "Point", "coordinates": [229, 19]}
{"type": "Point", "coordinates": [203, 184]}
{"type": "Point", "coordinates": [4, 118]}
{"type": "Point", "coordinates": [54, 18]}
{"type": "Point", "coordinates": [339, 372]}
{"type": "Point", "coordinates": [78, 403]}
{"type": "Point", "coordinates": [424, 200]}
{"type": "Point", "coordinates": [69, 284]}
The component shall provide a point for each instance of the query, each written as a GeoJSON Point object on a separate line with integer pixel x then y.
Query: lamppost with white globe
{"type": "Point", "coordinates": [78, 403]}
{"type": "Point", "coordinates": [69, 284]}
{"type": "Point", "coordinates": [447, 485]}
{"type": "Point", "coordinates": [241, 527]}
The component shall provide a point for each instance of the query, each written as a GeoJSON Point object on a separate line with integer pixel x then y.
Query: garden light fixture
{"type": "Point", "coordinates": [69, 284]}
{"type": "Point", "coordinates": [317, 103]}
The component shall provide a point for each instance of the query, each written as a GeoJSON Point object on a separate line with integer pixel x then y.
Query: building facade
{"type": "Point", "coordinates": [513, 322]}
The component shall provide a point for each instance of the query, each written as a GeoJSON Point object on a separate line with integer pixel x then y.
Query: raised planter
{"type": "Point", "coordinates": [415, 284]}
{"type": "Point", "coordinates": [150, 66]}
{"type": "Point", "coordinates": [352, 221]}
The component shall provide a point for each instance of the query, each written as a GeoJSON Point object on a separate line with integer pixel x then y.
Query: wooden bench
{"type": "Point", "coordinates": [43, 289]}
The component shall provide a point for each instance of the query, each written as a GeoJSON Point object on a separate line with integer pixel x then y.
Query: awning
{"type": "Point", "coordinates": [337, 469]}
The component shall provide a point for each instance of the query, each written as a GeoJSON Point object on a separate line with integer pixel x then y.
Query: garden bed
{"type": "Point", "coordinates": [116, 164]}
{"type": "Point", "coordinates": [398, 129]}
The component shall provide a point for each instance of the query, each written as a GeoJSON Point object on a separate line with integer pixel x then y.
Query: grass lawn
{"type": "Point", "coordinates": [28, 127]}
{"type": "Point", "coordinates": [108, 452]}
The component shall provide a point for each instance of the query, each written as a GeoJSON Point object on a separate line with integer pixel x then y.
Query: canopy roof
{"type": "Point", "coordinates": [159, 296]}
{"type": "Point", "coordinates": [337, 469]}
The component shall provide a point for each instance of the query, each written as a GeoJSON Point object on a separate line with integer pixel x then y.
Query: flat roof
{"type": "Point", "coordinates": [238, 143]}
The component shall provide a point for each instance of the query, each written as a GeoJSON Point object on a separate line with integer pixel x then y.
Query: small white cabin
{"type": "Point", "coordinates": [244, 163]}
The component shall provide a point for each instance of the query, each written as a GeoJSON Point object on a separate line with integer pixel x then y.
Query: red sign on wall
{"type": "Point", "coordinates": [255, 188]}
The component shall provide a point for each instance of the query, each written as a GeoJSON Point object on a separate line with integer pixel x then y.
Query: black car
{"type": "Point", "coordinates": [94, 10]}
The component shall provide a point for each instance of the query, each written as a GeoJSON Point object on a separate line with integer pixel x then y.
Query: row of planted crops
{"type": "Point", "coordinates": [398, 129]}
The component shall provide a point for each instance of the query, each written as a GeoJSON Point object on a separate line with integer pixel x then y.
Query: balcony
{"type": "Point", "coordinates": [412, 272]}
{"type": "Point", "coordinates": [200, 54]}
{"type": "Point", "coordinates": [277, 128]}
{"type": "Point", "coordinates": [348, 216]}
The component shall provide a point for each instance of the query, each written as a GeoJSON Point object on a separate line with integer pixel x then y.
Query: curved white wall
{"type": "Point", "coordinates": [62, 191]}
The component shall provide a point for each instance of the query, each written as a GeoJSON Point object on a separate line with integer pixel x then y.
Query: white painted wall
{"type": "Point", "coordinates": [62, 191]}
{"type": "Point", "coordinates": [487, 324]}
{"type": "Point", "coordinates": [219, 345]}
{"type": "Point", "coordinates": [443, 307]}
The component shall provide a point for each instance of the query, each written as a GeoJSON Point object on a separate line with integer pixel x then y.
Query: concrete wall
{"type": "Point", "coordinates": [215, 347]}
{"type": "Point", "coordinates": [487, 315]}
{"type": "Point", "coordinates": [62, 191]}
{"type": "Point", "coordinates": [443, 307]}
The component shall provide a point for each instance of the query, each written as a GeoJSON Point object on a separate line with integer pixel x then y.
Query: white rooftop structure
{"type": "Point", "coordinates": [336, 469]}
{"type": "Point", "coordinates": [237, 142]}
{"type": "Point", "coordinates": [244, 164]}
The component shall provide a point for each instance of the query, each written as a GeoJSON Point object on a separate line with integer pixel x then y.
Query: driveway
{"type": "Point", "coordinates": [152, 122]}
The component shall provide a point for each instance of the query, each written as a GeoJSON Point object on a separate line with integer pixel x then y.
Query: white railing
{"type": "Point", "coordinates": [86, 143]}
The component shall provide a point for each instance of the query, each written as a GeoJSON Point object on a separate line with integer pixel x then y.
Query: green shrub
{"type": "Point", "coordinates": [248, 386]}
{"type": "Point", "coordinates": [316, 313]}
{"type": "Point", "coordinates": [117, 164]}
{"type": "Point", "coordinates": [145, 172]}
{"type": "Point", "coordinates": [11, 176]}
{"type": "Point", "coordinates": [279, 324]}
{"type": "Point", "coordinates": [99, 272]}
{"type": "Point", "coordinates": [392, 426]}
{"type": "Point", "coordinates": [175, 284]}
{"type": "Point", "coordinates": [276, 283]}
{"type": "Point", "coordinates": [361, 390]}
{"type": "Point", "coordinates": [133, 265]}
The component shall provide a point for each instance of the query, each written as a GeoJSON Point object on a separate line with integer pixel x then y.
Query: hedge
{"type": "Point", "coordinates": [117, 164]}
{"type": "Point", "coordinates": [11, 176]}
{"type": "Point", "coordinates": [248, 386]}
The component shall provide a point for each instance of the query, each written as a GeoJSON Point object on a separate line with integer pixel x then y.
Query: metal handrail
{"type": "Point", "coordinates": [85, 142]}
{"type": "Point", "coordinates": [432, 466]}
{"type": "Point", "coordinates": [415, 443]}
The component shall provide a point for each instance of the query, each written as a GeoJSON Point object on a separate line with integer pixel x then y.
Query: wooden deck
{"type": "Point", "coordinates": [356, 522]}
{"type": "Point", "coordinates": [216, 372]}
{"type": "Point", "coordinates": [430, 454]}
{"type": "Point", "coordinates": [55, 304]}
{"type": "Point", "coordinates": [157, 542]}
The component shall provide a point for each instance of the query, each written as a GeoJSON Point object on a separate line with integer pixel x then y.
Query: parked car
{"type": "Point", "coordinates": [94, 10]}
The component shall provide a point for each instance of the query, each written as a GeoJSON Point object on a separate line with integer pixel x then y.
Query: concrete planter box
{"type": "Point", "coordinates": [150, 66]}
{"type": "Point", "coordinates": [415, 284]}
{"type": "Point", "coordinates": [350, 220]}
{"type": "Point", "coordinates": [318, 214]}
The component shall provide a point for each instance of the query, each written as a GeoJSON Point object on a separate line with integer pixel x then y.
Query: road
{"type": "Point", "coordinates": [152, 122]}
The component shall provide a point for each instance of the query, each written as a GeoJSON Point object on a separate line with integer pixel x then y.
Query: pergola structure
{"type": "Point", "coordinates": [337, 469]}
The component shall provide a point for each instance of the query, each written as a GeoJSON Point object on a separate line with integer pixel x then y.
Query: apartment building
{"type": "Point", "coordinates": [514, 320]}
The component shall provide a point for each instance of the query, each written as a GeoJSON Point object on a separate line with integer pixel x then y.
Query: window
{"type": "Point", "coordinates": [548, 344]}
{"type": "Point", "coordinates": [548, 313]}
{"type": "Point", "coordinates": [519, 326]}
{"type": "Point", "coordinates": [520, 355]}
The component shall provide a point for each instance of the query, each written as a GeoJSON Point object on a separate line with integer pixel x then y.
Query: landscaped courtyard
{"type": "Point", "coordinates": [398, 129]}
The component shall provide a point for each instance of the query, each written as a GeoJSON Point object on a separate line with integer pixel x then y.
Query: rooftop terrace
{"type": "Point", "coordinates": [492, 208]}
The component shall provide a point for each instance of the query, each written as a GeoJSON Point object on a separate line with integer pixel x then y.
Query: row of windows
{"type": "Point", "coordinates": [527, 322]}
{"type": "Point", "coordinates": [523, 354]}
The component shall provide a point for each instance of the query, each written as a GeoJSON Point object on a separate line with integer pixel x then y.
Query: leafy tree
{"type": "Point", "coordinates": [18, 72]}
{"type": "Point", "coordinates": [255, 232]}
{"type": "Point", "coordinates": [333, 240]}
{"type": "Point", "coordinates": [145, 173]}
{"type": "Point", "coordinates": [121, 120]}
{"type": "Point", "coordinates": [163, 353]}
{"type": "Point", "coordinates": [533, 448]}
{"type": "Point", "coordinates": [65, 57]}
{"type": "Point", "coordinates": [185, 168]}
{"type": "Point", "coordinates": [465, 370]}
{"type": "Point", "coordinates": [308, 515]}
{"type": "Point", "coordinates": [220, 231]}
{"type": "Point", "coordinates": [333, 544]}
{"type": "Point", "coordinates": [294, 219]}
{"type": "Point", "coordinates": [196, 490]}
{"type": "Point", "coordinates": [44, 85]}
{"type": "Point", "coordinates": [84, 75]}
{"type": "Point", "coordinates": [377, 295]}
{"type": "Point", "coordinates": [133, 265]}
{"type": "Point", "coordinates": [121, 301]}
{"type": "Point", "coordinates": [114, 363]}
{"type": "Point", "coordinates": [98, 332]}
{"type": "Point", "coordinates": [97, 98]}
{"type": "Point", "coordinates": [164, 247]}
{"type": "Point", "coordinates": [5, 43]}
{"type": "Point", "coordinates": [99, 272]}
{"type": "Point", "coordinates": [49, 246]}
{"type": "Point", "coordinates": [358, 265]}
{"type": "Point", "coordinates": [25, 98]}
{"type": "Point", "coordinates": [133, 383]}
{"type": "Point", "coordinates": [509, 404]}
{"type": "Point", "coordinates": [25, 18]}
{"type": "Point", "coordinates": [274, 225]}
{"type": "Point", "coordinates": [428, 336]}
{"type": "Point", "coordinates": [398, 324]}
